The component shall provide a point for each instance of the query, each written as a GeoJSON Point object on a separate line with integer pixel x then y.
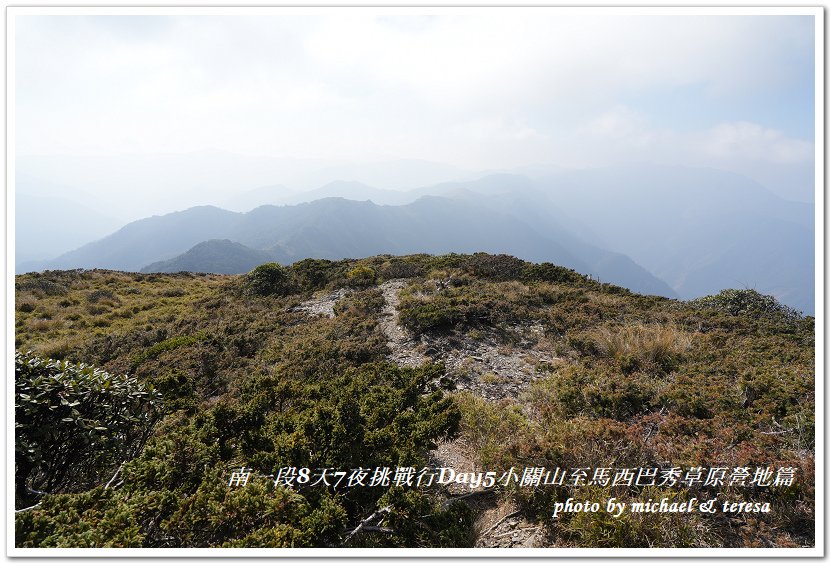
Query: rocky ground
{"type": "Point", "coordinates": [405, 349]}
{"type": "Point", "coordinates": [322, 305]}
{"type": "Point", "coordinates": [483, 364]}
{"type": "Point", "coordinates": [481, 361]}
{"type": "Point", "coordinates": [492, 364]}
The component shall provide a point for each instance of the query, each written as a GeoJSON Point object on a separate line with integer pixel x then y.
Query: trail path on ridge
{"type": "Point", "coordinates": [401, 343]}
{"type": "Point", "coordinates": [499, 523]}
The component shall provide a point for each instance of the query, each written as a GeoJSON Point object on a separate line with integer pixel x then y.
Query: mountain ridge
{"type": "Point", "coordinates": [693, 230]}
{"type": "Point", "coordinates": [335, 228]}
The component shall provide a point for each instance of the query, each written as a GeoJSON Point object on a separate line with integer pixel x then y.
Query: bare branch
{"type": "Point", "coordinates": [112, 479]}
{"type": "Point", "coordinates": [452, 499]}
{"type": "Point", "coordinates": [365, 522]}
{"type": "Point", "coordinates": [502, 519]}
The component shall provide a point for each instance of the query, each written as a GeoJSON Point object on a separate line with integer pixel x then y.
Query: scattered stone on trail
{"type": "Point", "coordinates": [322, 305]}
{"type": "Point", "coordinates": [483, 365]}
{"type": "Point", "coordinates": [482, 362]}
{"type": "Point", "coordinates": [405, 349]}
{"type": "Point", "coordinates": [503, 525]}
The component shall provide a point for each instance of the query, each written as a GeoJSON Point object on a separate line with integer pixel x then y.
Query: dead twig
{"type": "Point", "coordinates": [112, 479]}
{"type": "Point", "coordinates": [365, 523]}
{"type": "Point", "coordinates": [377, 529]}
{"type": "Point", "coordinates": [500, 520]}
{"type": "Point", "coordinates": [515, 531]}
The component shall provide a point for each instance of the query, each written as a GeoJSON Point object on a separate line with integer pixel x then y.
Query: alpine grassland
{"type": "Point", "coordinates": [139, 396]}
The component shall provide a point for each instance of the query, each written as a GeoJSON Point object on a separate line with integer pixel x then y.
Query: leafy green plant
{"type": "Point", "coordinates": [313, 274]}
{"type": "Point", "coordinates": [499, 267]}
{"type": "Point", "coordinates": [576, 390]}
{"type": "Point", "coordinates": [551, 273]}
{"type": "Point", "coordinates": [414, 520]}
{"type": "Point", "coordinates": [73, 419]}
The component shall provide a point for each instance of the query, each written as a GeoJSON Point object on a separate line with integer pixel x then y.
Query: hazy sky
{"type": "Point", "coordinates": [484, 90]}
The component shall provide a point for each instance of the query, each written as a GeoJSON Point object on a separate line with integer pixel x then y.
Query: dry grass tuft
{"type": "Point", "coordinates": [659, 345]}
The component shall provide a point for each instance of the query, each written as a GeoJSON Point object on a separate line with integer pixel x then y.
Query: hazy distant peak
{"type": "Point", "coordinates": [491, 184]}
{"type": "Point", "coordinates": [345, 184]}
{"type": "Point", "coordinates": [355, 191]}
{"type": "Point", "coordinates": [263, 195]}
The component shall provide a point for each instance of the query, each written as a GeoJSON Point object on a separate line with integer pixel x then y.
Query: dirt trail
{"type": "Point", "coordinates": [403, 346]}
{"type": "Point", "coordinates": [322, 305]}
{"type": "Point", "coordinates": [482, 365]}
{"type": "Point", "coordinates": [489, 369]}
{"type": "Point", "coordinates": [503, 525]}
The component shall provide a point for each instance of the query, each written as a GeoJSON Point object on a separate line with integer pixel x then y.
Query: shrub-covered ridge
{"type": "Point", "coordinates": [247, 377]}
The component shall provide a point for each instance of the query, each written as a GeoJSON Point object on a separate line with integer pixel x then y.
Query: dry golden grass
{"type": "Point", "coordinates": [649, 343]}
{"type": "Point", "coordinates": [105, 301]}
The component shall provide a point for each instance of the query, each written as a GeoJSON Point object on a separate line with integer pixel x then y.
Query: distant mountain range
{"type": "Point", "coordinates": [701, 230]}
{"type": "Point", "coordinates": [337, 228]}
{"type": "Point", "coordinates": [669, 231]}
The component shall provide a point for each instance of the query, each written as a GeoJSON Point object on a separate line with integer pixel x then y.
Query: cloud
{"type": "Point", "coordinates": [485, 89]}
{"type": "Point", "coordinates": [750, 141]}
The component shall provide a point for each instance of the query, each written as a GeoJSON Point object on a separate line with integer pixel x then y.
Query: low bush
{"type": "Point", "coordinates": [73, 420]}
{"type": "Point", "coordinates": [268, 279]}
{"type": "Point", "coordinates": [747, 302]}
{"type": "Point", "coordinates": [361, 276]}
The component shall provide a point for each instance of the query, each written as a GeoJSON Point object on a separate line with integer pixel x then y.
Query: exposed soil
{"type": "Point", "coordinates": [405, 350]}
{"type": "Point", "coordinates": [492, 364]}
{"type": "Point", "coordinates": [322, 305]}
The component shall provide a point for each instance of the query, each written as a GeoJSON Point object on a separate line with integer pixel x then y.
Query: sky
{"type": "Point", "coordinates": [481, 90]}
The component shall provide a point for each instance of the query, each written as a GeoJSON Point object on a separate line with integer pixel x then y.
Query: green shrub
{"type": "Point", "coordinates": [96, 518]}
{"type": "Point", "coordinates": [73, 419]}
{"type": "Point", "coordinates": [361, 276]}
{"type": "Point", "coordinates": [26, 307]}
{"type": "Point", "coordinates": [313, 274]}
{"type": "Point", "coordinates": [494, 431]}
{"type": "Point", "coordinates": [173, 292]}
{"type": "Point", "coordinates": [401, 268]}
{"type": "Point", "coordinates": [499, 267]}
{"type": "Point", "coordinates": [414, 520]}
{"type": "Point", "coordinates": [268, 279]}
{"type": "Point", "coordinates": [747, 302]}
{"type": "Point", "coordinates": [551, 273]}
{"type": "Point", "coordinates": [99, 295]}
{"type": "Point", "coordinates": [38, 282]}
{"type": "Point", "coordinates": [577, 390]}
{"type": "Point", "coordinates": [157, 349]}
{"type": "Point", "coordinates": [430, 316]}
{"type": "Point", "coordinates": [372, 415]}
{"type": "Point", "coordinates": [448, 300]}
{"type": "Point", "coordinates": [634, 529]}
